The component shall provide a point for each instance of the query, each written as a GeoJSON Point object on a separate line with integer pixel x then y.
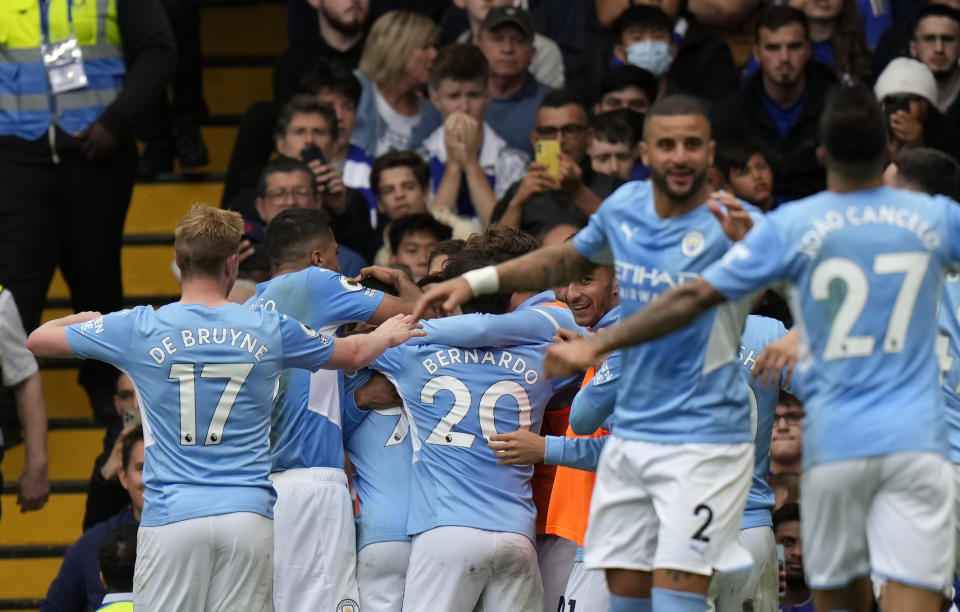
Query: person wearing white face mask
{"type": "Point", "coordinates": [681, 53]}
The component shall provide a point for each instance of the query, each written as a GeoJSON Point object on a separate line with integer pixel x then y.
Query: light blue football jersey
{"type": "Point", "coordinates": [758, 333]}
{"type": "Point", "coordinates": [306, 427]}
{"type": "Point", "coordinates": [948, 347]}
{"type": "Point", "coordinates": [204, 378]}
{"type": "Point", "coordinates": [460, 391]}
{"type": "Point", "coordinates": [381, 454]}
{"type": "Point", "coordinates": [684, 387]}
{"type": "Point", "coordinates": [865, 271]}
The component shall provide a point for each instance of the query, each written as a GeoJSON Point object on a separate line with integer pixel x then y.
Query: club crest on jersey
{"type": "Point", "coordinates": [348, 605]}
{"type": "Point", "coordinates": [693, 243]}
{"type": "Point", "coordinates": [349, 285]}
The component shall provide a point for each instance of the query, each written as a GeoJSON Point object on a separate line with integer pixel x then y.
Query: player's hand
{"type": "Point", "coordinates": [735, 221]}
{"type": "Point", "coordinates": [33, 488]}
{"type": "Point", "coordinates": [378, 392]}
{"type": "Point", "coordinates": [906, 129]}
{"type": "Point", "coordinates": [97, 142]}
{"type": "Point", "coordinates": [777, 356]}
{"type": "Point", "coordinates": [446, 296]}
{"type": "Point", "coordinates": [537, 180]}
{"type": "Point", "coordinates": [398, 279]}
{"type": "Point", "coordinates": [566, 335]}
{"type": "Point", "coordinates": [399, 328]}
{"type": "Point", "coordinates": [114, 461]}
{"type": "Point", "coordinates": [573, 357]}
{"type": "Point", "coordinates": [519, 447]}
{"type": "Point", "coordinates": [80, 317]}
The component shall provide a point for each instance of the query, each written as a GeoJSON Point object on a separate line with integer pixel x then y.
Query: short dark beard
{"type": "Point", "coordinates": [343, 28]}
{"type": "Point", "coordinates": [660, 180]}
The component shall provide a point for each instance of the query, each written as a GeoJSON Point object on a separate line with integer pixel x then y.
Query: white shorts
{"type": "Point", "coordinates": [885, 515]}
{"type": "Point", "coordinates": [676, 506]}
{"type": "Point", "coordinates": [315, 544]}
{"type": "Point", "coordinates": [381, 574]}
{"type": "Point", "coordinates": [555, 556]}
{"type": "Point", "coordinates": [587, 590]}
{"type": "Point", "coordinates": [756, 589]}
{"type": "Point", "coordinates": [455, 568]}
{"type": "Point", "coordinates": [222, 562]}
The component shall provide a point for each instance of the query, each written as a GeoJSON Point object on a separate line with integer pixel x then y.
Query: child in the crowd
{"type": "Point", "coordinates": [614, 147]}
{"type": "Point", "coordinates": [744, 170]}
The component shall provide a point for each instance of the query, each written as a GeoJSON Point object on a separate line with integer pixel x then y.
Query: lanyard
{"type": "Point", "coordinates": [45, 17]}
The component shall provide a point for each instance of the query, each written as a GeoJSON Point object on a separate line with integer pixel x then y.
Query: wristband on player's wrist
{"type": "Point", "coordinates": [483, 280]}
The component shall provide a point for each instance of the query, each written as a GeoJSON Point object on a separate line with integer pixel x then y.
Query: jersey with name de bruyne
{"type": "Point", "coordinates": [204, 378]}
{"type": "Point", "coordinates": [684, 387]}
{"type": "Point", "coordinates": [865, 271]}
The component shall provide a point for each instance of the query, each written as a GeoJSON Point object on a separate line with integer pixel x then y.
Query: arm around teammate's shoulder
{"type": "Point", "coordinates": [354, 352]}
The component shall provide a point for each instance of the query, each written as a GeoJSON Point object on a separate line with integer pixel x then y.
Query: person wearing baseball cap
{"type": "Point", "coordinates": [506, 39]}
{"type": "Point", "coordinates": [908, 91]}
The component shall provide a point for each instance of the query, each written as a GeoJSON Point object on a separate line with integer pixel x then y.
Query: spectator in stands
{"type": "Point", "coordinates": [926, 170]}
{"type": "Point", "coordinates": [401, 180]}
{"type": "Point", "coordinates": [895, 41]}
{"type": "Point", "coordinates": [547, 63]}
{"type": "Point", "coordinates": [117, 555]}
{"type": "Point", "coordinates": [412, 239]}
{"type": "Point", "coordinates": [394, 69]}
{"type": "Point", "coordinates": [781, 104]}
{"type": "Point", "coordinates": [713, 13]}
{"type": "Point", "coordinates": [77, 587]}
{"type": "Point", "coordinates": [441, 254]}
{"type": "Point", "coordinates": [19, 371]}
{"type": "Point", "coordinates": [908, 91]}
{"type": "Point", "coordinates": [465, 151]}
{"type": "Point", "coordinates": [68, 159]}
{"type": "Point", "coordinates": [786, 489]}
{"type": "Point", "coordinates": [936, 43]}
{"type": "Point", "coordinates": [786, 445]}
{"type": "Point", "coordinates": [787, 532]}
{"type": "Point", "coordinates": [562, 117]}
{"type": "Point", "coordinates": [839, 42]}
{"type": "Point", "coordinates": [614, 144]}
{"type": "Point", "coordinates": [340, 39]}
{"type": "Point", "coordinates": [106, 496]}
{"type": "Point", "coordinates": [626, 86]}
{"type": "Point", "coordinates": [506, 39]}
{"type": "Point", "coordinates": [745, 171]}
{"type": "Point", "coordinates": [689, 59]}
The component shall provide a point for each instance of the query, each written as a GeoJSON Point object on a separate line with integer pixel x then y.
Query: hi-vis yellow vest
{"type": "Point", "coordinates": [27, 107]}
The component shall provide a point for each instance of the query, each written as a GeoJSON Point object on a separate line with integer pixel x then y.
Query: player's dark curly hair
{"type": "Point", "coordinates": [497, 244]}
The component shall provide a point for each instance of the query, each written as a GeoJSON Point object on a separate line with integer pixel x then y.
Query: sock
{"type": "Point", "coordinates": [665, 600]}
{"type": "Point", "coordinates": [629, 604]}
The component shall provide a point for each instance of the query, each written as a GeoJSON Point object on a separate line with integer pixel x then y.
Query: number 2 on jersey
{"type": "Point", "coordinates": [235, 373]}
{"type": "Point", "coordinates": [443, 435]}
{"type": "Point", "coordinates": [840, 344]}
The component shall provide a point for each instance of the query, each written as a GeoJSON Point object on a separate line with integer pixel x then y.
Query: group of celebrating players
{"type": "Point", "coordinates": [249, 411]}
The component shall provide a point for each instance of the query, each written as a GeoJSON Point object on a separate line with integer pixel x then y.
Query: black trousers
{"type": "Point", "coordinates": [69, 215]}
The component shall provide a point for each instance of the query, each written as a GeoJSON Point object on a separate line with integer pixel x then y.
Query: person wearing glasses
{"type": "Point", "coordinates": [786, 445]}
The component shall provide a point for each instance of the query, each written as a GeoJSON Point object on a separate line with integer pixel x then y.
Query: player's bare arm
{"type": "Point", "coordinates": [542, 269]}
{"type": "Point", "coordinates": [354, 352]}
{"type": "Point", "coordinates": [50, 339]}
{"type": "Point", "coordinates": [407, 292]}
{"type": "Point", "coordinates": [667, 313]}
{"type": "Point", "coordinates": [378, 392]}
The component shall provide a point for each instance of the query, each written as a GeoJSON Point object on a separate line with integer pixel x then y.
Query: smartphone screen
{"type": "Point", "coordinates": [546, 154]}
{"type": "Point", "coordinates": [131, 417]}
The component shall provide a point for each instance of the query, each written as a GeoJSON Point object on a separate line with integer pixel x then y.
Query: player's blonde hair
{"type": "Point", "coordinates": [390, 42]}
{"type": "Point", "coordinates": [204, 238]}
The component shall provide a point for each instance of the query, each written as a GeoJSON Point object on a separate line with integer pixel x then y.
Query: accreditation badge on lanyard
{"type": "Point", "coordinates": [63, 60]}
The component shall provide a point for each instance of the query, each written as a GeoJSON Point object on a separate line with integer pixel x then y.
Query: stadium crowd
{"type": "Point", "coordinates": [620, 305]}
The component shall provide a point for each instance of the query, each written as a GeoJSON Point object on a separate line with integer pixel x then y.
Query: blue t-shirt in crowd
{"type": "Point", "coordinates": [515, 117]}
{"type": "Point", "coordinates": [305, 428]}
{"type": "Point", "coordinates": [684, 387]}
{"type": "Point", "coordinates": [204, 379]}
{"type": "Point", "coordinates": [865, 271]}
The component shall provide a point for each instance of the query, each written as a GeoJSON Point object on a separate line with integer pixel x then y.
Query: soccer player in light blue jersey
{"type": "Point", "coordinates": [865, 265]}
{"type": "Point", "coordinates": [674, 476]}
{"type": "Point", "coordinates": [315, 569]}
{"type": "Point", "coordinates": [205, 370]}
{"type": "Point", "coordinates": [473, 521]}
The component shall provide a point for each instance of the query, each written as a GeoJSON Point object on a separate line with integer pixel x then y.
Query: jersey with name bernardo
{"type": "Point", "coordinates": [204, 378]}
{"type": "Point", "coordinates": [948, 347]}
{"type": "Point", "coordinates": [459, 395]}
{"type": "Point", "coordinates": [306, 427]}
{"type": "Point", "coordinates": [381, 454]}
{"type": "Point", "coordinates": [683, 387]}
{"type": "Point", "coordinates": [866, 271]}
{"type": "Point", "coordinates": [757, 334]}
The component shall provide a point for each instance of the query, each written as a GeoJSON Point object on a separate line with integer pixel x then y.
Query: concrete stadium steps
{"type": "Point", "coordinates": [66, 399]}
{"type": "Point", "coordinates": [146, 271]}
{"type": "Point", "coordinates": [230, 90]}
{"type": "Point", "coordinates": [156, 207]}
{"type": "Point", "coordinates": [243, 31]}
{"type": "Point", "coordinates": [219, 140]}
{"type": "Point", "coordinates": [27, 578]}
{"type": "Point", "coordinates": [70, 456]}
{"type": "Point", "coordinates": [58, 523]}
